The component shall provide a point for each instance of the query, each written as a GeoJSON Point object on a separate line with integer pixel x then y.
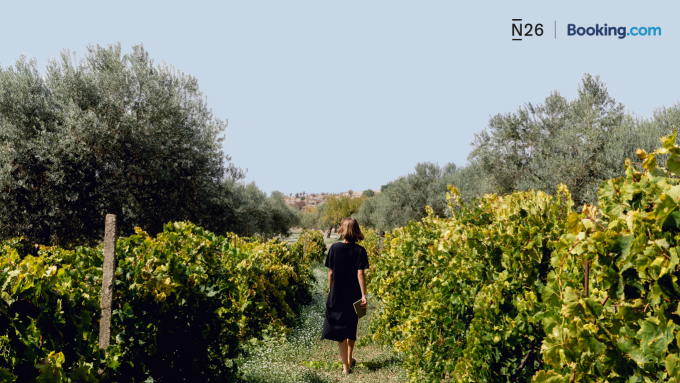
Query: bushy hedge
{"type": "Point", "coordinates": [49, 311]}
{"type": "Point", "coordinates": [459, 296]}
{"type": "Point", "coordinates": [372, 244]}
{"type": "Point", "coordinates": [624, 326]}
{"type": "Point", "coordinates": [519, 288]}
{"type": "Point", "coordinates": [311, 245]}
{"type": "Point", "coordinates": [183, 303]}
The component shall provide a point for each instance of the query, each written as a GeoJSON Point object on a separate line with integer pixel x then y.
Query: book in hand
{"type": "Point", "coordinates": [361, 312]}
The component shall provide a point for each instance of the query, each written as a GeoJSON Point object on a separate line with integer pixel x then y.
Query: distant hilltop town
{"type": "Point", "coordinates": [303, 200]}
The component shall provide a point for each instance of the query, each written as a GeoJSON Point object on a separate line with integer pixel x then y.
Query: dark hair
{"type": "Point", "coordinates": [350, 230]}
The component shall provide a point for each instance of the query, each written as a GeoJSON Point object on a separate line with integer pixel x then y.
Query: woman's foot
{"type": "Point", "coordinates": [347, 371]}
{"type": "Point", "coordinates": [353, 362]}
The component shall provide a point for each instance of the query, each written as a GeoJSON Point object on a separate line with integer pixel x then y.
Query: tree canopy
{"type": "Point", "coordinates": [579, 143]}
{"type": "Point", "coordinates": [407, 197]}
{"type": "Point", "coordinates": [338, 208]}
{"type": "Point", "coordinates": [110, 133]}
{"type": "Point", "coordinates": [256, 213]}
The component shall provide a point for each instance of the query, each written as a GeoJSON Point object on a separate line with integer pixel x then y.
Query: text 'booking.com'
{"type": "Point", "coordinates": [522, 30]}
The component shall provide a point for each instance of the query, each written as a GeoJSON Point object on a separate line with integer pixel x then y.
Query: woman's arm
{"type": "Point", "coordinates": [330, 279]}
{"type": "Point", "coordinates": [362, 283]}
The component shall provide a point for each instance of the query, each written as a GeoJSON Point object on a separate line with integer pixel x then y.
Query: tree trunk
{"type": "Point", "coordinates": [329, 232]}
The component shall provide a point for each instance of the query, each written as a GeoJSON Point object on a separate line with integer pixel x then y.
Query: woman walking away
{"type": "Point", "coordinates": [346, 285]}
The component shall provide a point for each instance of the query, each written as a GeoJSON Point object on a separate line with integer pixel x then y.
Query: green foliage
{"type": "Point", "coordinates": [312, 217]}
{"type": "Point", "coordinates": [48, 311]}
{"type": "Point", "coordinates": [257, 213]}
{"type": "Point", "coordinates": [624, 327]}
{"type": "Point", "coordinates": [368, 193]}
{"type": "Point", "coordinates": [372, 243]}
{"type": "Point", "coordinates": [579, 143]}
{"type": "Point", "coordinates": [185, 302]}
{"type": "Point", "coordinates": [117, 134]}
{"type": "Point", "coordinates": [519, 287]}
{"type": "Point", "coordinates": [311, 245]}
{"type": "Point", "coordinates": [6, 376]}
{"type": "Point", "coordinates": [461, 295]}
{"type": "Point", "coordinates": [406, 198]}
{"type": "Point", "coordinates": [111, 133]}
{"type": "Point", "coordinates": [174, 316]}
{"type": "Point", "coordinates": [338, 208]}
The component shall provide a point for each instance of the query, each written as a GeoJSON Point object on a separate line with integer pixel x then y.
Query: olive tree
{"type": "Point", "coordinates": [338, 208]}
{"type": "Point", "coordinates": [407, 197]}
{"type": "Point", "coordinates": [579, 143]}
{"type": "Point", "coordinates": [110, 133]}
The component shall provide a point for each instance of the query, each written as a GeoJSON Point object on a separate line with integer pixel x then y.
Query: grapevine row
{"type": "Point", "coordinates": [520, 288]}
{"type": "Point", "coordinates": [184, 302]}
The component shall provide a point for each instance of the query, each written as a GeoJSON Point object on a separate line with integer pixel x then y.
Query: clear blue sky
{"type": "Point", "coordinates": [326, 96]}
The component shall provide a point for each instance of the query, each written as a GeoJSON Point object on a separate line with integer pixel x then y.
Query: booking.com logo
{"type": "Point", "coordinates": [572, 30]}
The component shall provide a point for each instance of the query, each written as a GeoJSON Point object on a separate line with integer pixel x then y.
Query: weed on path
{"type": "Point", "coordinates": [304, 357]}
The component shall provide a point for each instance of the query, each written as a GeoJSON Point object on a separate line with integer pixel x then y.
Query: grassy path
{"type": "Point", "coordinates": [304, 357]}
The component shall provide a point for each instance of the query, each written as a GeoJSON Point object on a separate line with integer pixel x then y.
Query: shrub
{"type": "Point", "coordinates": [311, 246]}
{"type": "Point", "coordinates": [520, 287]}
{"type": "Point", "coordinates": [460, 296]}
{"type": "Point", "coordinates": [613, 313]}
{"type": "Point", "coordinates": [371, 243]}
{"type": "Point", "coordinates": [184, 303]}
{"type": "Point", "coordinates": [49, 312]}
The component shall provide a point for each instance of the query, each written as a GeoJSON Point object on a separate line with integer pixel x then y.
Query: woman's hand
{"type": "Point", "coordinates": [364, 302]}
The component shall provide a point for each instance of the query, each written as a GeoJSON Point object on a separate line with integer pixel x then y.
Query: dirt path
{"type": "Point", "coordinates": [303, 357]}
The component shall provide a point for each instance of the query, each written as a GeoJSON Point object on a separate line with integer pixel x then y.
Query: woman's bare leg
{"type": "Point", "coordinates": [343, 355]}
{"type": "Point", "coordinates": [350, 350]}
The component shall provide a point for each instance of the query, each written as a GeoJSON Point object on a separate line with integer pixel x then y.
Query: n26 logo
{"type": "Point", "coordinates": [529, 30]}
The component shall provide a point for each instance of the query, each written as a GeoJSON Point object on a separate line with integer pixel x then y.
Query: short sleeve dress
{"type": "Point", "coordinates": [340, 322]}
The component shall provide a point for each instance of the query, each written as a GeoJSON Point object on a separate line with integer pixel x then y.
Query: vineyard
{"type": "Point", "coordinates": [520, 288]}
{"type": "Point", "coordinates": [184, 304]}
{"type": "Point", "coordinates": [513, 288]}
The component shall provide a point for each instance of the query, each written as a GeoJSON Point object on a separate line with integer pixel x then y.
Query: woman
{"type": "Point", "coordinates": [346, 285]}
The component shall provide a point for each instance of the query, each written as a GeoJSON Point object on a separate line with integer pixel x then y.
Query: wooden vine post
{"type": "Point", "coordinates": [381, 241]}
{"type": "Point", "coordinates": [109, 269]}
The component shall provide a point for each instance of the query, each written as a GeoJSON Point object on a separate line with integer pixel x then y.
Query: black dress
{"type": "Point", "coordinates": [345, 259]}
